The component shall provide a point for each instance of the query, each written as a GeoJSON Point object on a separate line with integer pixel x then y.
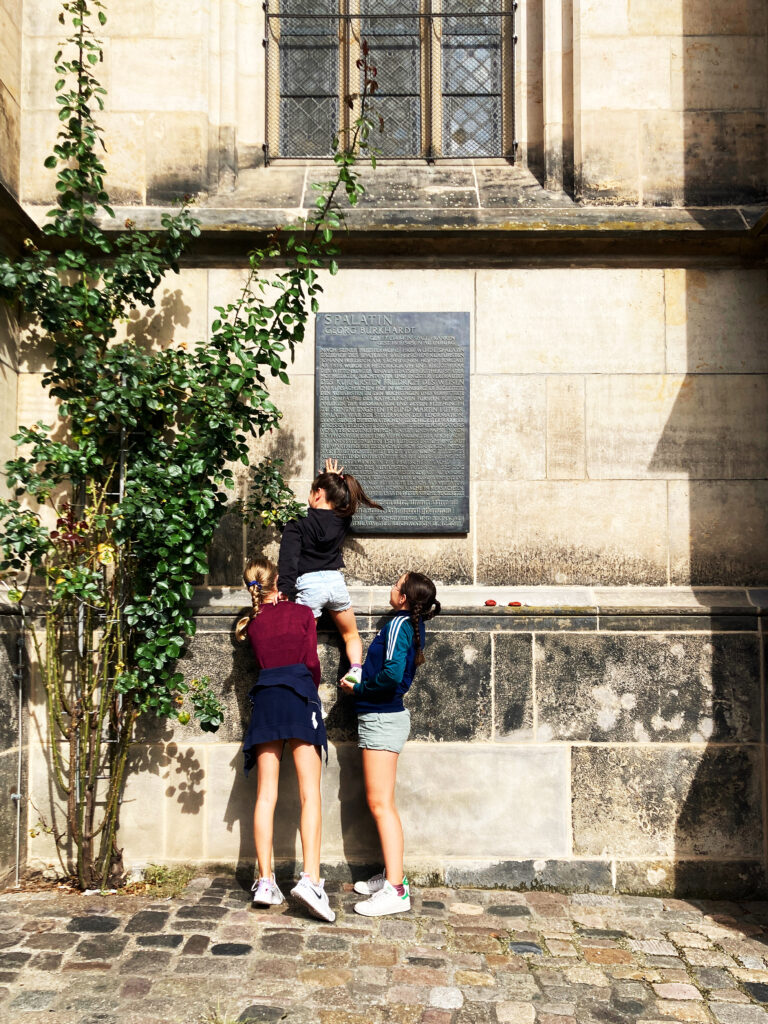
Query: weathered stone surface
{"type": "Point", "coordinates": [146, 961]}
{"type": "Point", "coordinates": [103, 948]}
{"type": "Point", "coordinates": [715, 321]}
{"type": "Point", "coordinates": [513, 687]}
{"type": "Point", "coordinates": [722, 156]}
{"type": "Point", "coordinates": [670, 803]}
{"type": "Point", "coordinates": [703, 549]}
{"type": "Point", "coordinates": [162, 941]}
{"type": "Point", "coordinates": [196, 945]}
{"type": "Point", "coordinates": [728, 879]}
{"type": "Point", "coordinates": [709, 72]}
{"type": "Point", "coordinates": [566, 428]}
{"type": "Point", "coordinates": [564, 876]}
{"type": "Point", "coordinates": [509, 440]}
{"type": "Point", "coordinates": [526, 816]}
{"type": "Point", "coordinates": [258, 1012]}
{"type": "Point", "coordinates": [648, 688]}
{"type": "Point", "coordinates": [231, 949]}
{"type": "Point", "coordinates": [617, 75]}
{"type": "Point", "coordinates": [420, 186]}
{"type": "Point", "coordinates": [379, 561]}
{"type": "Point", "coordinates": [51, 940]}
{"type": "Point", "coordinates": [698, 426]}
{"type": "Point", "coordinates": [158, 75]}
{"type": "Point", "coordinates": [93, 923]}
{"type": "Point", "coordinates": [563, 325]}
{"type": "Point", "coordinates": [176, 154]}
{"type": "Point", "coordinates": [608, 169]}
{"type": "Point", "coordinates": [9, 131]}
{"type": "Point", "coordinates": [147, 921]}
{"type": "Point", "coordinates": [573, 532]}
{"type": "Point", "coordinates": [450, 698]}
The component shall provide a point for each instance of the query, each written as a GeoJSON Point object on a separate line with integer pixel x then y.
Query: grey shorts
{"type": "Point", "coordinates": [323, 589]}
{"type": "Point", "coordinates": [383, 732]}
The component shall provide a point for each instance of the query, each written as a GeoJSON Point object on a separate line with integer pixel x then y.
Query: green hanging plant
{"type": "Point", "coordinates": [116, 504]}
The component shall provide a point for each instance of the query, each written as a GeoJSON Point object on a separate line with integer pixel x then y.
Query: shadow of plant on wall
{"type": "Point", "coordinates": [158, 327]}
{"type": "Point", "coordinates": [180, 767]}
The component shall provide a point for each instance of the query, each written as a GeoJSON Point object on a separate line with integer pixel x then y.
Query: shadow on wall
{"type": "Point", "coordinates": [714, 448]}
{"type": "Point", "coordinates": [713, 453]}
{"type": "Point", "coordinates": [724, 65]}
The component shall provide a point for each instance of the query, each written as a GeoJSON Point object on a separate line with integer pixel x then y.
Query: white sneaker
{"type": "Point", "coordinates": [266, 893]}
{"type": "Point", "coordinates": [371, 886]}
{"type": "Point", "coordinates": [314, 898]}
{"type": "Point", "coordinates": [385, 901]}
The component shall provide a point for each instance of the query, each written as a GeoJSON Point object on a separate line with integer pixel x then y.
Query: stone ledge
{"type": "Point", "coordinates": [407, 234]}
{"type": "Point", "coordinates": [575, 602]}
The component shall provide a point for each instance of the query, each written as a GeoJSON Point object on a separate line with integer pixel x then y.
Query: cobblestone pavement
{"type": "Point", "coordinates": [460, 957]}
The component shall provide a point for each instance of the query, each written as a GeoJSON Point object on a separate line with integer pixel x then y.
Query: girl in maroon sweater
{"type": "Point", "coordinates": [286, 708]}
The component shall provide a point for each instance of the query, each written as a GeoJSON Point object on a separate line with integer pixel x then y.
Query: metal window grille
{"type": "Point", "coordinates": [445, 73]}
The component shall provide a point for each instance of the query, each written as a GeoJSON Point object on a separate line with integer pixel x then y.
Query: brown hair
{"type": "Point", "coordinates": [260, 577]}
{"type": "Point", "coordinates": [343, 492]}
{"type": "Point", "coordinates": [419, 592]}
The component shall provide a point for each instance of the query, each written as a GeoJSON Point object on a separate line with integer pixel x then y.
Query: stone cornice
{"type": "Point", "coordinates": [463, 236]}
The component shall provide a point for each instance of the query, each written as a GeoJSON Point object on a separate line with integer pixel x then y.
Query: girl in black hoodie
{"type": "Point", "coordinates": [310, 555]}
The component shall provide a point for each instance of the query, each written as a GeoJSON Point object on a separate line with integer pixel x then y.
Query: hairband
{"type": "Point", "coordinates": [254, 583]}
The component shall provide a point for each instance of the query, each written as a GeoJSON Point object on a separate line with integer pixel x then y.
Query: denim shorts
{"type": "Point", "coordinates": [383, 732]}
{"type": "Point", "coordinates": [325, 589]}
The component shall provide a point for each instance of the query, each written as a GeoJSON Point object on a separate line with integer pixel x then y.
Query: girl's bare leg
{"type": "Point", "coordinates": [268, 763]}
{"type": "Point", "coordinates": [347, 626]}
{"type": "Point", "coordinates": [308, 762]}
{"type": "Point", "coordinates": [379, 772]}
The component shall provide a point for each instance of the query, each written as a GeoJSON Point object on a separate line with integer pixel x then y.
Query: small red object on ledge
{"type": "Point", "coordinates": [490, 602]}
{"type": "Point", "coordinates": [514, 604]}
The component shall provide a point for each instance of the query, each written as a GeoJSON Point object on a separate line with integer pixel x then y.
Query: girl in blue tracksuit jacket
{"type": "Point", "coordinates": [383, 725]}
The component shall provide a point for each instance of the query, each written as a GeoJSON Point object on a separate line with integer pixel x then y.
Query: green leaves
{"type": "Point", "coordinates": [138, 466]}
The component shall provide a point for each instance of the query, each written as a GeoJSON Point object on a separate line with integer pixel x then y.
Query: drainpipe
{"type": "Point", "coordinates": [16, 797]}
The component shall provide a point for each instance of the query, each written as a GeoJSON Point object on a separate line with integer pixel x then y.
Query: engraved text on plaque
{"type": "Point", "coordinates": [392, 404]}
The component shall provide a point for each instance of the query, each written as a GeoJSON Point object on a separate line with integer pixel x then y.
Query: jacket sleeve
{"type": "Point", "coordinates": [399, 638]}
{"type": "Point", "coordinates": [311, 659]}
{"type": "Point", "coordinates": [288, 560]}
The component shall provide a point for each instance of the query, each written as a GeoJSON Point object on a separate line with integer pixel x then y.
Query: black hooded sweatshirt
{"type": "Point", "coordinates": [312, 544]}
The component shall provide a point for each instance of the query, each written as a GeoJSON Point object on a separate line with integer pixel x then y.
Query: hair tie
{"type": "Point", "coordinates": [254, 583]}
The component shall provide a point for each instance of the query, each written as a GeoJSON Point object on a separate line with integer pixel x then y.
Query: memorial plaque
{"type": "Point", "coordinates": [392, 404]}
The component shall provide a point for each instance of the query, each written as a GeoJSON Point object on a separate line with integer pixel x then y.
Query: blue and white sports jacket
{"type": "Point", "coordinates": [389, 667]}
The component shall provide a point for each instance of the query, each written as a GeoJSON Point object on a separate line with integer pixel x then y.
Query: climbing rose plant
{"type": "Point", "coordinates": [117, 501]}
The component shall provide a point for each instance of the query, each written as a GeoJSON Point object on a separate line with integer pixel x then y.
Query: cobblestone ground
{"type": "Point", "coordinates": [460, 957]}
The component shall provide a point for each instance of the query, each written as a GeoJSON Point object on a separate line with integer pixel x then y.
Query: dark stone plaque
{"type": "Point", "coordinates": [392, 404]}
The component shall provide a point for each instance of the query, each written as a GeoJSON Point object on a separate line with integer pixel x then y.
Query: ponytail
{"type": "Point", "coordinates": [260, 577]}
{"type": "Point", "coordinates": [344, 492]}
{"type": "Point", "coordinates": [419, 591]}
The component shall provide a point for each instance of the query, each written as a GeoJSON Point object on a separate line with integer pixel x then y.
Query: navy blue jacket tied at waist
{"type": "Point", "coordinates": [285, 705]}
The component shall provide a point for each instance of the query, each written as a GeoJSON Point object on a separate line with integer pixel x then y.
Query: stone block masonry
{"type": "Point", "coordinates": [590, 739]}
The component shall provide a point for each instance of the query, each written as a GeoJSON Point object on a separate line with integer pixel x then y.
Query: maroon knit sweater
{"type": "Point", "coordinates": [285, 634]}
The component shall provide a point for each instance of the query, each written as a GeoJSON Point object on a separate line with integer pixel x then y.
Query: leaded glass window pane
{"type": "Point", "coordinates": [309, 77]}
{"type": "Point", "coordinates": [395, 49]}
{"type": "Point", "coordinates": [471, 77]}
